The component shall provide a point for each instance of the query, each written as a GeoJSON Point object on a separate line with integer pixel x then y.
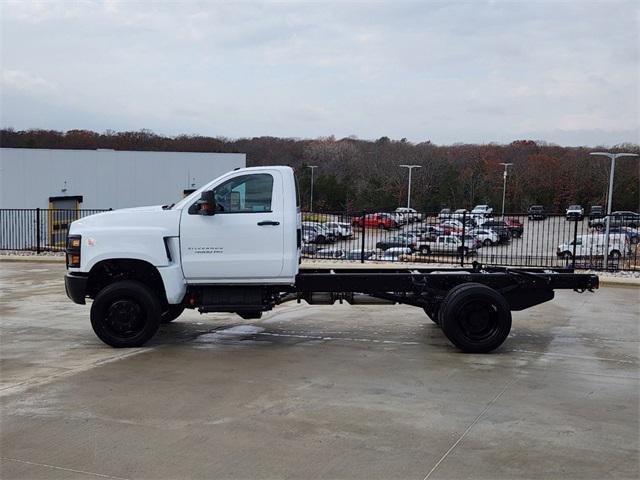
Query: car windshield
{"type": "Point", "coordinates": [574, 207]}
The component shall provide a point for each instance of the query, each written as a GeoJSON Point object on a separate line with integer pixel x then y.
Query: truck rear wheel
{"type": "Point", "coordinates": [173, 312]}
{"type": "Point", "coordinates": [125, 314]}
{"type": "Point", "coordinates": [475, 318]}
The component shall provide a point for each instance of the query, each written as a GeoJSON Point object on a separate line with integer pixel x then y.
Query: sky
{"type": "Point", "coordinates": [449, 72]}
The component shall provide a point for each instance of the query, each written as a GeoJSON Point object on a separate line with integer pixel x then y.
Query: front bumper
{"type": "Point", "coordinates": [76, 287]}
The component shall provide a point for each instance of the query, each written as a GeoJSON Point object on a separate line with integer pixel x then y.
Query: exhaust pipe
{"type": "Point", "coordinates": [329, 298]}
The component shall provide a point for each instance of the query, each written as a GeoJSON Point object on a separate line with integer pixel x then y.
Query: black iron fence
{"type": "Point", "coordinates": [511, 240]}
{"type": "Point", "coordinates": [531, 240]}
{"type": "Point", "coordinates": [37, 229]}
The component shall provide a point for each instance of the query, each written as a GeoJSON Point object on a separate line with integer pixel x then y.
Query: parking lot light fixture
{"type": "Point", "coordinates": [613, 157]}
{"type": "Point", "coordinates": [504, 184]}
{"type": "Point", "coordinates": [312, 167]}
{"type": "Point", "coordinates": [410, 167]}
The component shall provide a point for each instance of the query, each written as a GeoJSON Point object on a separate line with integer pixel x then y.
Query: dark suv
{"type": "Point", "coordinates": [536, 212]}
{"type": "Point", "coordinates": [502, 229]}
{"type": "Point", "coordinates": [618, 219]}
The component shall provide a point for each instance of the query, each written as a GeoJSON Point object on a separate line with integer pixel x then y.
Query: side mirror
{"type": "Point", "coordinates": [207, 203]}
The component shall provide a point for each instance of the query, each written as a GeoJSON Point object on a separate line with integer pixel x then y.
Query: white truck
{"type": "Point", "coordinates": [234, 246]}
{"type": "Point", "coordinates": [446, 245]}
{"type": "Point", "coordinates": [594, 246]}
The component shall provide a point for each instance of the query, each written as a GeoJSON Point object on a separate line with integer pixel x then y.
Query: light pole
{"type": "Point", "coordinates": [312, 167]}
{"type": "Point", "coordinates": [410, 167]}
{"type": "Point", "coordinates": [504, 184]}
{"type": "Point", "coordinates": [613, 157]}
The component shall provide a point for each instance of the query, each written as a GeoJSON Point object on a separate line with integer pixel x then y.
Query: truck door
{"type": "Point", "coordinates": [244, 240]}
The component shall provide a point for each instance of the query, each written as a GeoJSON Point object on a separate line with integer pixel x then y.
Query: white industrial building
{"type": "Point", "coordinates": [103, 179]}
{"type": "Point", "coordinates": [67, 184]}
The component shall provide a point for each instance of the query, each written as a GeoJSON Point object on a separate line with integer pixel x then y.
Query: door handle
{"type": "Point", "coordinates": [268, 222]}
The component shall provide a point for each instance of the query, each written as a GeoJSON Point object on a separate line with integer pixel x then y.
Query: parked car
{"type": "Point", "coordinates": [376, 220]}
{"type": "Point", "coordinates": [472, 241]}
{"type": "Point", "coordinates": [357, 254]}
{"type": "Point", "coordinates": [500, 227]}
{"type": "Point", "coordinates": [594, 246]}
{"type": "Point", "coordinates": [308, 249]}
{"type": "Point", "coordinates": [460, 213]}
{"type": "Point", "coordinates": [487, 236]}
{"type": "Point", "coordinates": [339, 230]}
{"type": "Point", "coordinates": [575, 212]}
{"type": "Point", "coordinates": [515, 226]}
{"type": "Point", "coordinates": [451, 226]}
{"type": "Point", "coordinates": [632, 234]}
{"type": "Point", "coordinates": [482, 210]}
{"type": "Point", "coordinates": [329, 253]}
{"type": "Point", "coordinates": [617, 219]}
{"type": "Point", "coordinates": [394, 254]}
{"type": "Point", "coordinates": [446, 244]}
{"type": "Point", "coordinates": [400, 219]}
{"type": "Point", "coordinates": [596, 211]}
{"type": "Point", "coordinates": [410, 214]}
{"type": "Point", "coordinates": [445, 214]}
{"type": "Point", "coordinates": [396, 241]}
{"type": "Point", "coordinates": [316, 234]}
{"type": "Point", "coordinates": [625, 219]}
{"type": "Point", "coordinates": [536, 212]}
{"type": "Point", "coordinates": [426, 231]}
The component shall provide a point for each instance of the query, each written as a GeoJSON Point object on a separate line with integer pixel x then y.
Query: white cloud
{"type": "Point", "coordinates": [445, 71]}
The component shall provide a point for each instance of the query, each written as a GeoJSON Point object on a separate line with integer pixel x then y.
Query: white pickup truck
{"type": "Point", "coordinates": [446, 245]}
{"type": "Point", "coordinates": [234, 246]}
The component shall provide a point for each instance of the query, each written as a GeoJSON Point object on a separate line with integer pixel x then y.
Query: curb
{"type": "Point", "coordinates": [32, 258]}
{"type": "Point", "coordinates": [604, 279]}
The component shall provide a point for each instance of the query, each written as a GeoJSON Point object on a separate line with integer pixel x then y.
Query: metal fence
{"type": "Point", "coordinates": [511, 240]}
{"type": "Point", "coordinates": [37, 229]}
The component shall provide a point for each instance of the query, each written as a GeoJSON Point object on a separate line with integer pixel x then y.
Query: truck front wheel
{"type": "Point", "coordinates": [125, 314]}
{"type": "Point", "coordinates": [475, 318]}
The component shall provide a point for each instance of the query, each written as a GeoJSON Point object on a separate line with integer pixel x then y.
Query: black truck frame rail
{"type": "Point", "coordinates": [472, 305]}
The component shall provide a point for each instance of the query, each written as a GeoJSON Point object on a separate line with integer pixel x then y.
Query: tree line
{"type": "Point", "coordinates": [355, 174]}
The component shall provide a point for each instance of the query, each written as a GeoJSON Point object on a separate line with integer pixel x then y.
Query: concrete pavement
{"type": "Point", "coordinates": [316, 392]}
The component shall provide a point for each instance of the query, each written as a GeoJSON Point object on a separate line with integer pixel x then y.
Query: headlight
{"type": "Point", "coordinates": [73, 251]}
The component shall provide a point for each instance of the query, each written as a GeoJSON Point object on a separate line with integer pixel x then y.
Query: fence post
{"type": "Point", "coordinates": [575, 239]}
{"type": "Point", "coordinates": [362, 234]}
{"type": "Point", "coordinates": [464, 229]}
{"type": "Point", "coordinates": [38, 230]}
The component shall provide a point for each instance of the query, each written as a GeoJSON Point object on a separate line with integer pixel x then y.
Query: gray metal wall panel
{"type": "Point", "coordinates": [105, 178]}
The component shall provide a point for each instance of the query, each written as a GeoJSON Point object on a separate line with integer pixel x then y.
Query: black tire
{"type": "Point", "coordinates": [126, 314]}
{"type": "Point", "coordinates": [321, 239]}
{"type": "Point", "coordinates": [487, 243]}
{"type": "Point", "coordinates": [381, 226]}
{"type": "Point", "coordinates": [517, 234]}
{"type": "Point", "coordinates": [250, 315]}
{"type": "Point", "coordinates": [566, 255]}
{"type": "Point", "coordinates": [425, 250]}
{"type": "Point", "coordinates": [475, 318]}
{"type": "Point", "coordinates": [615, 255]}
{"type": "Point", "coordinates": [173, 312]}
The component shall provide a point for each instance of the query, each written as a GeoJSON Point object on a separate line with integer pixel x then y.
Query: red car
{"type": "Point", "coordinates": [376, 220]}
{"type": "Point", "coordinates": [515, 227]}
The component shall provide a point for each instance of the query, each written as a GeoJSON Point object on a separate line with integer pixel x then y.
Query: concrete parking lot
{"type": "Point", "coordinates": [317, 392]}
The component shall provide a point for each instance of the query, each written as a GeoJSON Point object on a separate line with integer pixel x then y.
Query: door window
{"type": "Point", "coordinates": [245, 194]}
